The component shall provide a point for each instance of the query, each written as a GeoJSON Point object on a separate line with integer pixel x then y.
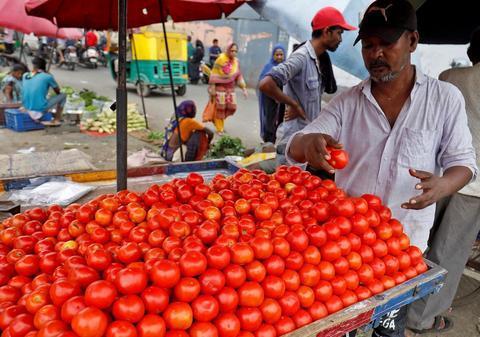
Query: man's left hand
{"type": "Point", "coordinates": [432, 187]}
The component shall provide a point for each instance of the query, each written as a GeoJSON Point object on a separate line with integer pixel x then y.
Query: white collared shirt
{"type": "Point", "coordinates": [430, 134]}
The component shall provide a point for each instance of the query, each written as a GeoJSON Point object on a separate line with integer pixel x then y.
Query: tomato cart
{"type": "Point", "coordinates": [364, 314]}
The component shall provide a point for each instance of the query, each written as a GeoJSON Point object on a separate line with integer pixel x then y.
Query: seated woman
{"type": "Point", "coordinates": [194, 134]}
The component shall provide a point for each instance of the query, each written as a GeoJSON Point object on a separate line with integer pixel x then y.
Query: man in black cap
{"type": "Point", "coordinates": [406, 133]}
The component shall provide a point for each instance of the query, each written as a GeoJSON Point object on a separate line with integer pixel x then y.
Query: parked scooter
{"type": "Point", "coordinates": [70, 56]}
{"type": "Point", "coordinates": [89, 57]}
{"type": "Point", "coordinates": [205, 70]}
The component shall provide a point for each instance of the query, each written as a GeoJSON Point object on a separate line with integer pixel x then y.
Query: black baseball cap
{"type": "Point", "coordinates": [387, 19]}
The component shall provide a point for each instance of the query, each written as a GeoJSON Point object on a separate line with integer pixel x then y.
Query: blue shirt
{"type": "Point", "coordinates": [301, 79]}
{"type": "Point", "coordinates": [35, 90]}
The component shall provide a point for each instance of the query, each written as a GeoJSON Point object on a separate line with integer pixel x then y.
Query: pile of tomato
{"type": "Point", "coordinates": [246, 255]}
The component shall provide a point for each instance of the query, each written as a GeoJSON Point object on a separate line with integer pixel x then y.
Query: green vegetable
{"type": "Point", "coordinates": [88, 96]}
{"type": "Point", "coordinates": [69, 91]}
{"type": "Point", "coordinates": [153, 135]}
{"type": "Point", "coordinates": [91, 108]}
{"type": "Point", "coordinates": [226, 146]}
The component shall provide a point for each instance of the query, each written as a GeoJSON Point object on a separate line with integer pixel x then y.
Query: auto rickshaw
{"type": "Point", "coordinates": [147, 65]}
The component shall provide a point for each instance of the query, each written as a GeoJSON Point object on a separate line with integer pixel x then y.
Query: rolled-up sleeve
{"type": "Point", "coordinates": [285, 71]}
{"type": "Point", "coordinates": [456, 147]}
{"type": "Point", "coordinates": [328, 122]}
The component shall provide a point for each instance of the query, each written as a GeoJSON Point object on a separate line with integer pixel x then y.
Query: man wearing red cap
{"type": "Point", "coordinates": [305, 75]}
{"type": "Point", "coordinates": [406, 133]}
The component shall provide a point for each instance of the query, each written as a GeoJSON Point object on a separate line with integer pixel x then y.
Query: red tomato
{"type": "Point", "coordinates": [348, 298]}
{"type": "Point", "coordinates": [255, 271]}
{"type": "Point", "coordinates": [227, 299]}
{"type": "Point", "coordinates": [100, 294]}
{"type": "Point", "coordinates": [271, 310]}
{"type": "Point", "coordinates": [205, 308]}
{"type": "Point", "coordinates": [61, 290]}
{"type": "Point", "coordinates": [129, 308]}
{"type": "Point", "coordinates": [333, 304]}
{"type": "Point", "coordinates": [262, 248]}
{"type": "Point", "coordinates": [178, 316]}
{"type": "Point", "coordinates": [235, 276]}
{"type": "Point", "coordinates": [251, 294]}
{"type": "Point", "coordinates": [392, 265]}
{"type": "Point", "coordinates": [404, 260]}
{"type": "Point", "coordinates": [379, 268]}
{"type": "Point", "coordinates": [375, 286]}
{"type": "Point", "coordinates": [131, 281]}
{"type": "Point", "coordinates": [365, 274]}
{"type": "Point", "coordinates": [318, 310]}
{"type": "Point", "coordinates": [284, 325]}
{"type": "Point", "coordinates": [151, 326]}
{"type": "Point", "coordinates": [309, 275]}
{"type": "Point", "coordinates": [338, 158]}
{"type": "Point", "coordinates": [45, 314]}
{"type": "Point", "coordinates": [242, 253]}
{"type": "Point", "coordinates": [290, 303]}
{"type": "Point", "coordinates": [416, 255]}
{"type": "Point", "coordinates": [275, 265]}
{"type": "Point", "coordinates": [250, 318]}
{"type": "Point", "coordinates": [298, 240]}
{"type": "Point", "coordinates": [327, 270]}
{"type": "Point", "coordinates": [312, 255]}
{"type": "Point", "coordinates": [156, 299]}
{"type": "Point", "coordinates": [187, 289]}
{"type": "Point", "coordinates": [306, 295]}
{"type": "Point", "coordinates": [212, 281]}
{"type": "Point", "coordinates": [330, 251]}
{"type": "Point", "coordinates": [380, 248]}
{"type": "Point", "coordinates": [121, 329]}
{"type": "Point", "coordinates": [228, 325]}
{"type": "Point", "coordinates": [165, 274]}
{"type": "Point", "coordinates": [203, 329]}
{"type": "Point", "coordinates": [294, 261]}
{"type": "Point", "coordinates": [72, 307]}
{"type": "Point", "coordinates": [302, 318]}
{"type": "Point", "coordinates": [90, 322]}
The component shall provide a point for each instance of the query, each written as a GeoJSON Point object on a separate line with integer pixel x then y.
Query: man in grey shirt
{"type": "Point", "coordinates": [305, 75]}
{"type": "Point", "coordinates": [406, 133]}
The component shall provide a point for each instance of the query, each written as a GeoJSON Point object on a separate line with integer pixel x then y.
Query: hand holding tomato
{"type": "Point", "coordinates": [313, 149]}
{"type": "Point", "coordinates": [338, 158]}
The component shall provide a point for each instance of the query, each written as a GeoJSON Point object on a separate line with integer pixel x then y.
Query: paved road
{"type": "Point", "coordinates": [159, 106]}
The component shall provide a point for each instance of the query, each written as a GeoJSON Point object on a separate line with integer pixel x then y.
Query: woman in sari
{"type": "Point", "coordinates": [223, 78]}
{"type": "Point", "coordinates": [194, 134]}
{"type": "Point", "coordinates": [271, 112]}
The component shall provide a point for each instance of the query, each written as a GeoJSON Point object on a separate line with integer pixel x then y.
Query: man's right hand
{"type": "Point", "coordinates": [312, 148]}
{"type": "Point", "coordinates": [294, 111]}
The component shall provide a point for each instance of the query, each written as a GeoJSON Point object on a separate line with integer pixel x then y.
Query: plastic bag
{"type": "Point", "coordinates": [209, 112]}
{"type": "Point", "coordinates": [62, 193]}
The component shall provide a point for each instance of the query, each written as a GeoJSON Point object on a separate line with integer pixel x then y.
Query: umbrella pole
{"type": "Point", "coordinates": [134, 59]}
{"type": "Point", "coordinates": [171, 80]}
{"type": "Point", "coordinates": [122, 97]}
{"type": "Point", "coordinates": [21, 48]}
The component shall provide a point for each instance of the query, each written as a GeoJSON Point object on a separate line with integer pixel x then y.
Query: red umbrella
{"type": "Point", "coordinates": [14, 16]}
{"type": "Point", "coordinates": [103, 14]}
{"type": "Point", "coordinates": [120, 14]}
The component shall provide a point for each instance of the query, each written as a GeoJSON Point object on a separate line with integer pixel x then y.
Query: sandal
{"type": "Point", "coordinates": [437, 326]}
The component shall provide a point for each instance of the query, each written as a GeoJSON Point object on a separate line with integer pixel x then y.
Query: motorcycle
{"type": "Point", "coordinates": [205, 70]}
{"type": "Point", "coordinates": [89, 57]}
{"type": "Point", "coordinates": [70, 56]}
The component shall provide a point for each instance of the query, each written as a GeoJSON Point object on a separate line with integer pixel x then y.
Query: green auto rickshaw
{"type": "Point", "coordinates": [147, 65]}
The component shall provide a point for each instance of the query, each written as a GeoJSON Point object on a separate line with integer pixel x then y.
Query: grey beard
{"type": "Point", "coordinates": [389, 76]}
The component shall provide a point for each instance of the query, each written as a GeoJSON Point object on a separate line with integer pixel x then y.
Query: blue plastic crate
{"type": "Point", "coordinates": [20, 121]}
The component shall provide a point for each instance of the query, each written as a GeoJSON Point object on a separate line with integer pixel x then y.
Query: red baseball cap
{"type": "Point", "coordinates": [329, 17]}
